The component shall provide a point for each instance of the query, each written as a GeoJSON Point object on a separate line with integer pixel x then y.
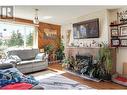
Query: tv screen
{"type": "Point", "coordinates": [86, 29]}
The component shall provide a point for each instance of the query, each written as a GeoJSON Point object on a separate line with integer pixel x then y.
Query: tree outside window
{"type": "Point", "coordinates": [1, 42]}
{"type": "Point", "coordinates": [16, 39]}
{"type": "Point", "coordinates": [16, 35]}
{"type": "Point", "coordinates": [29, 40]}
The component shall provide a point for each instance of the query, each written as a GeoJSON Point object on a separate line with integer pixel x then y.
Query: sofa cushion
{"type": "Point", "coordinates": [12, 59]}
{"type": "Point", "coordinates": [15, 57]}
{"type": "Point", "coordinates": [24, 54]}
{"type": "Point", "coordinates": [40, 56]}
{"type": "Point", "coordinates": [29, 62]}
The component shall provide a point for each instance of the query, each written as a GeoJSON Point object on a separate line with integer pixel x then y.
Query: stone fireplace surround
{"type": "Point", "coordinates": [89, 54]}
{"type": "Point", "coordinates": [73, 51]}
{"type": "Point", "coordinates": [82, 62]}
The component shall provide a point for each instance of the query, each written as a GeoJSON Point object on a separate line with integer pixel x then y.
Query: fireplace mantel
{"type": "Point", "coordinates": [84, 47]}
{"type": "Point", "coordinates": [89, 47]}
{"type": "Point", "coordinates": [73, 51]}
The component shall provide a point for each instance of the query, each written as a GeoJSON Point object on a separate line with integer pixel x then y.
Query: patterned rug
{"type": "Point", "coordinates": [59, 82]}
{"type": "Point", "coordinates": [43, 74]}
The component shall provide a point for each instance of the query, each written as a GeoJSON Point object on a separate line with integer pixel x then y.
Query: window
{"type": "Point", "coordinates": [16, 35]}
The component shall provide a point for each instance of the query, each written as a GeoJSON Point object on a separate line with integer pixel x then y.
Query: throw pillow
{"type": "Point", "coordinates": [15, 57]}
{"type": "Point", "coordinates": [40, 56]}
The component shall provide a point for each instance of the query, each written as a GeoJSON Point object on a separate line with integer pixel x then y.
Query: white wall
{"type": "Point", "coordinates": [103, 20]}
{"type": "Point", "coordinates": [105, 17]}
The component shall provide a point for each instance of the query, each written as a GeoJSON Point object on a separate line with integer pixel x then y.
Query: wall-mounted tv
{"type": "Point", "coordinates": [86, 29]}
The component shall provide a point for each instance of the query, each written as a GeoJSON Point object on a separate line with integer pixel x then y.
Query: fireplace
{"type": "Point", "coordinates": [81, 51]}
{"type": "Point", "coordinates": [84, 63]}
{"type": "Point", "coordinates": [79, 62]}
{"type": "Point", "coordinates": [87, 57]}
{"type": "Point", "coordinates": [82, 66]}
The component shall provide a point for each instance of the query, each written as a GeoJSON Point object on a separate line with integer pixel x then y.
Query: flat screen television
{"type": "Point", "coordinates": [86, 29]}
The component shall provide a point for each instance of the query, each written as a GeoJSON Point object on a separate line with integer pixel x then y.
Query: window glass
{"type": "Point", "coordinates": [16, 35]}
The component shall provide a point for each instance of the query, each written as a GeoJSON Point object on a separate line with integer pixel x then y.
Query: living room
{"type": "Point", "coordinates": [59, 50]}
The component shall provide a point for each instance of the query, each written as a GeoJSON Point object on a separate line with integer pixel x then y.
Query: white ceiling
{"type": "Point", "coordinates": [60, 14]}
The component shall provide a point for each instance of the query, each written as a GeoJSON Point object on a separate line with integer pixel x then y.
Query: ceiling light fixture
{"type": "Point", "coordinates": [36, 19]}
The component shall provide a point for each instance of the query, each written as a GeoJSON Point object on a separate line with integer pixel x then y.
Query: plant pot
{"type": "Point", "coordinates": [107, 77]}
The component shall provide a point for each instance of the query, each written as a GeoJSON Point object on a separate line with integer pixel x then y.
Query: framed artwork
{"type": "Point", "coordinates": [50, 34]}
{"type": "Point", "coordinates": [115, 42]}
{"type": "Point", "coordinates": [114, 32]}
{"type": "Point", "coordinates": [86, 29]}
{"type": "Point", "coordinates": [123, 31]}
{"type": "Point", "coordinates": [68, 36]}
{"type": "Point", "coordinates": [123, 42]}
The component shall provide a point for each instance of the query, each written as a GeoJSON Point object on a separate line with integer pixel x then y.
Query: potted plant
{"type": "Point", "coordinates": [60, 52]}
{"type": "Point", "coordinates": [103, 67]}
{"type": "Point", "coordinates": [48, 48]}
{"type": "Point", "coordinates": [108, 61]}
{"type": "Point", "coordinates": [65, 63]}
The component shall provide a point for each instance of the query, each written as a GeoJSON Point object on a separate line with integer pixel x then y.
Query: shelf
{"type": "Point", "coordinates": [85, 47]}
{"type": "Point", "coordinates": [118, 36]}
{"type": "Point", "coordinates": [123, 36]}
{"type": "Point", "coordinates": [112, 25]}
{"type": "Point", "coordinates": [114, 36]}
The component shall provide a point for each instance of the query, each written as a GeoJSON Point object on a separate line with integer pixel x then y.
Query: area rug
{"type": "Point", "coordinates": [59, 82]}
{"type": "Point", "coordinates": [43, 73]}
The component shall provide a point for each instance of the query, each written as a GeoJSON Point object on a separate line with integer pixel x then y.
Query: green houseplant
{"type": "Point", "coordinates": [104, 63]}
{"type": "Point", "coordinates": [48, 48]}
{"type": "Point", "coordinates": [60, 52]}
{"type": "Point", "coordinates": [65, 63]}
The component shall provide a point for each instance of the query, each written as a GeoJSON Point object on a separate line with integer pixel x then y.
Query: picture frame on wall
{"type": "Point", "coordinates": [86, 29]}
{"type": "Point", "coordinates": [123, 42]}
{"type": "Point", "coordinates": [123, 31]}
{"type": "Point", "coordinates": [49, 34]}
{"type": "Point", "coordinates": [115, 42]}
{"type": "Point", "coordinates": [114, 32]}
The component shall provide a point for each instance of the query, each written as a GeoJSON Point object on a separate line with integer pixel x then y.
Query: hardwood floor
{"type": "Point", "coordinates": [96, 85]}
